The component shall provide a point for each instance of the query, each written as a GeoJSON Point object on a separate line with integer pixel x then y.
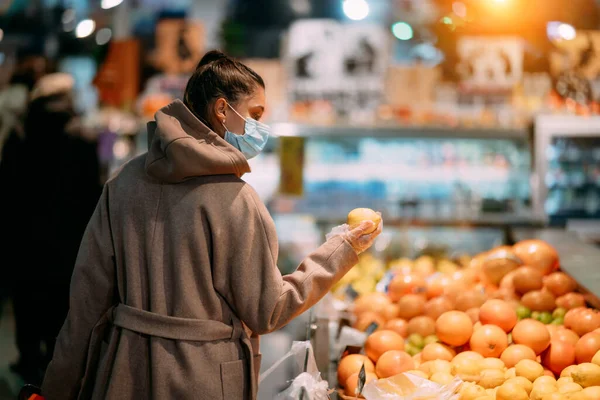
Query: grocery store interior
{"type": "Point", "coordinates": [473, 126]}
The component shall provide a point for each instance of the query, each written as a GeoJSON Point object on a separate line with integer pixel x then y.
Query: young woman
{"type": "Point", "coordinates": [176, 276]}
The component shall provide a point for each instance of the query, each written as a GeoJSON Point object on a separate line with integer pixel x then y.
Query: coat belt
{"type": "Point", "coordinates": [176, 328]}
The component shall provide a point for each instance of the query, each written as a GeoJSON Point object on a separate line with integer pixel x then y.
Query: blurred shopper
{"type": "Point", "coordinates": [13, 104]}
{"type": "Point", "coordinates": [56, 186]}
{"type": "Point", "coordinates": [180, 251]}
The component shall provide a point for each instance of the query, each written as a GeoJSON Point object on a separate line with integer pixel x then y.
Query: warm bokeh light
{"type": "Point", "coordinates": [560, 31]}
{"type": "Point", "coordinates": [566, 32]}
{"type": "Point", "coordinates": [460, 9]}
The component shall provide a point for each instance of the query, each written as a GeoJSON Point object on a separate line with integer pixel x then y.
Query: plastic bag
{"type": "Point", "coordinates": [340, 230]}
{"type": "Point", "coordinates": [302, 355]}
{"type": "Point", "coordinates": [357, 240]}
{"type": "Point", "coordinates": [315, 388]}
{"type": "Point", "coordinates": [410, 387]}
{"type": "Point", "coordinates": [349, 337]}
{"type": "Point", "coordinates": [307, 374]}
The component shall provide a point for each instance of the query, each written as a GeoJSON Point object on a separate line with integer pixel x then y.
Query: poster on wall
{"type": "Point", "coordinates": [343, 64]}
{"type": "Point", "coordinates": [411, 85]}
{"type": "Point", "coordinates": [119, 77]}
{"type": "Point", "coordinates": [575, 65]}
{"type": "Point", "coordinates": [180, 45]}
{"type": "Point", "coordinates": [492, 63]}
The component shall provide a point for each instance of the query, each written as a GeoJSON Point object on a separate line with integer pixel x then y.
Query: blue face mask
{"type": "Point", "coordinates": [254, 139]}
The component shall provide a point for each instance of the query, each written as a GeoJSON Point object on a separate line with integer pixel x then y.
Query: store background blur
{"type": "Point", "coordinates": [456, 119]}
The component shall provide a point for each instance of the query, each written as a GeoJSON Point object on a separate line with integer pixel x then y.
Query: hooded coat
{"type": "Point", "coordinates": [177, 276]}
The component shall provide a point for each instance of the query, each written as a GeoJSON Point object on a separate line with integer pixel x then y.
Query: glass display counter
{"type": "Point", "coordinates": [567, 173]}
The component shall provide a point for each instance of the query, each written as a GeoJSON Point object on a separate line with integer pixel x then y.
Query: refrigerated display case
{"type": "Point", "coordinates": [567, 173]}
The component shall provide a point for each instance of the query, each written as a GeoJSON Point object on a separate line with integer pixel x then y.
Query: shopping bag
{"type": "Point", "coordinates": [30, 392]}
{"type": "Point", "coordinates": [410, 387]}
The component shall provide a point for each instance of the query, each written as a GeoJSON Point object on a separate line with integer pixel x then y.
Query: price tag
{"type": "Point", "coordinates": [383, 284]}
{"type": "Point", "coordinates": [372, 328]}
{"type": "Point", "coordinates": [362, 378]}
{"type": "Point", "coordinates": [351, 293]}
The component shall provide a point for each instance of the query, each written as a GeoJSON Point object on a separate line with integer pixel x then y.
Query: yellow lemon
{"type": "Point", "coordinates": [596, 358]}
{"type": "Point", "coordinates": [511, 391]}
{"type": "Point", "coordinates": [470, 391]}
{"type": "Point", "coordinates": [542, 390]}
{"type": "Point", "coordinates": [564, 380]}
{"type": "Point", "coordinates": [443, 378]}
{"type": "Point", "coordinates": [441, 366]}
{"type": "Point", "coordinates": [589, 393]}
{"type": "Point", "coordinates": [586, 374]}
{"type": "Point", "coordinates": [569, 388]}
{"type": "Point", "coordinates": [567, 371]}
{"type": "Point", "coordinates": [554, 396]}
{"type": "Point", "coordinates": [491, 378]}
{"type": "Point", "coordinates": [529, 369]}
{"type": "Point", "coordinates": [358, 215]}
{"type": "Point", "coordinates": [510, 373]}
{"type": "Point", "coordinates": [492, 363]}
{"type": "Point", "coordinates": [523, 382]}
{"type": "Point", "coordinates": [544, 380]}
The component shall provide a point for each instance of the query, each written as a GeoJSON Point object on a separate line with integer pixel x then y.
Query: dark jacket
{"type": "Point", "coordinates": [54, 178]}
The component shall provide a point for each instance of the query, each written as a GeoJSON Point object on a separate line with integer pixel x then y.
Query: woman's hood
{"type": "Point", "coordinates": [182, 147]}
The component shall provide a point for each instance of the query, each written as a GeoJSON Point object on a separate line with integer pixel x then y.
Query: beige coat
{"type": "Point", "coordinates": [178, 251]}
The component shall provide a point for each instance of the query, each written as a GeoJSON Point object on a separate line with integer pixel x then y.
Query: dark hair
{"type": "Point", "coordinates": [218, 75]}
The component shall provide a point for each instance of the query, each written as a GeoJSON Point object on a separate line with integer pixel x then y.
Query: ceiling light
{"type": "Point", "coordinates": [85, 28]}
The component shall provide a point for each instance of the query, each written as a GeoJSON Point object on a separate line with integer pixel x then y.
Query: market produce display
{"type": "Point", "coordinates": [507, 322]}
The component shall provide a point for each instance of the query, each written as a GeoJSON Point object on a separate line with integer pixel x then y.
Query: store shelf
{"type": "Point", "coordinates": [396, 131]}
{"type": "Point", "coordinates": [577, 258]}
{"type": "Point", "coordinates": [484, 220]}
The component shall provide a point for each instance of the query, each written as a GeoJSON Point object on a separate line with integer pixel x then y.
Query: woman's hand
{"type": "Point", "coordinates": [359, 240]}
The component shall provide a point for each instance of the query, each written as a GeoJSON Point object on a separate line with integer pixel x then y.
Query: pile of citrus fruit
{"type": "Point", "coordinates": [511, 325]}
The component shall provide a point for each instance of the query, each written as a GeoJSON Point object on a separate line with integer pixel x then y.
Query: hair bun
{"type": "Point", "coordinates": [211, 57]}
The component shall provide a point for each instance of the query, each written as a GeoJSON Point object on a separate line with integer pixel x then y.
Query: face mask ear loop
{"type": "Point", "coordinates": [234, 110]}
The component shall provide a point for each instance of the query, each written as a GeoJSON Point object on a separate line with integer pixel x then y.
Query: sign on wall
{"type": "Point", "coordinates": [575, 64]}
{"type": "Point", "coordinates": [118, 79]}
{"type": "Point", "coordinates": [179, 46]}
{"type": "Point", "coordinates": [344, 64]}
{"type": "Point", "coordinates": [490, 62]}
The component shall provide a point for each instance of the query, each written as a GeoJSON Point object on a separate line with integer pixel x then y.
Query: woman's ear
{"type": "Point", "coordinates": [220, 110]}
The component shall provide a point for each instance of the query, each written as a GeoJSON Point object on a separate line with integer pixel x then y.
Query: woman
{"type": "Point", "coordinates": [179, 251]}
